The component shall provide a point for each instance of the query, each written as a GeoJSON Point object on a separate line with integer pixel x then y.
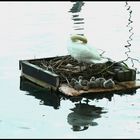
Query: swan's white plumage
{"type": "Point", "coordinates": [83, 52]}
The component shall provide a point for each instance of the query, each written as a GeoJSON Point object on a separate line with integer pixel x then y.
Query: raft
{"type": "Point", "coordinates": [55, 73]}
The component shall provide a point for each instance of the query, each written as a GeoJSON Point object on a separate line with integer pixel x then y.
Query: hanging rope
{"type": "Point", "coordinates": [129, 25]}
{"type": "Point", "coordinates": [130, 29]}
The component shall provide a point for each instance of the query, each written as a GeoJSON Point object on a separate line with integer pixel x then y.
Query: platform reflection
{"type": "Point", "coordinates": [83, 115]}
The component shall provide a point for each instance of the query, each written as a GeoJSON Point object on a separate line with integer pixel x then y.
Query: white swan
{"type": "Point", "coordinates": [80, 50]}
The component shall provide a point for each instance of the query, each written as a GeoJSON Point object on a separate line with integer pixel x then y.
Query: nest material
{"type": "Point", "coordinates": [67, 68]}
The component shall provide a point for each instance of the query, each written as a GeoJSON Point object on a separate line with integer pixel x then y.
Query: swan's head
{"type": "Point", "coordinates": [76, 38]}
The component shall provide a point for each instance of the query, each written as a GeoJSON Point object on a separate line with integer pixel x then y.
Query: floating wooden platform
{"type": "Point", "coordinates": [122, 86]}
{"type": "Point", "coordinates": [38, 72]}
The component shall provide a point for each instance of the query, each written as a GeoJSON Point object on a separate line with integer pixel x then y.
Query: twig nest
{"type": "Point", "coordinates": [69, 65]}
{"type": "Point", "coordinates": [49, 68]}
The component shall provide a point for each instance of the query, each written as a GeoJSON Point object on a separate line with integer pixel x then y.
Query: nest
{"type": "Point", "coordinates": [67, 68]}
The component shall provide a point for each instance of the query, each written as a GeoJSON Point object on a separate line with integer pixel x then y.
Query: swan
{"type": "Point", "coordinates": [80, 50]}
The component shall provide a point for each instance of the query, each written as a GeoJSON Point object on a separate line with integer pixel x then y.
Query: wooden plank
{"type": "Point", "coordinates": [65, 89]}
{"type": "Point", "coordinates": [38, 82]}
{"type": "Point", "coordinates": [39, 74]}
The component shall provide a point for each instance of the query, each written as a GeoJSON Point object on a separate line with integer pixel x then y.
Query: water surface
{"type": "Point", "coordinates": [31, 30]}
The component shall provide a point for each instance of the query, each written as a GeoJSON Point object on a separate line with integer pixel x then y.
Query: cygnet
{"type": "Point", "coordinates": [109, 83]}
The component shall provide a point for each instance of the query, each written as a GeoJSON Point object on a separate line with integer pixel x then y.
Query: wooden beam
{"type": "Point", "coordinates": [39, 82]}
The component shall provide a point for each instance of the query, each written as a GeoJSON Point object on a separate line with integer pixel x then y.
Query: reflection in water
{"type": "Point", "coordinates": [78, 21]}
{"type": "Point", "coordinates": [76, 6]}
{"type": "Point", "coordinates": [109, 95]}
{"type": "Point", "coordinates": [46, 97]}
{"type": "Point", "coordinates": [83, 115]}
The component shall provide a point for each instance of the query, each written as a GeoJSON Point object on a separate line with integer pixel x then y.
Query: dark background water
{"type": "Point", "coordinates": [40, 29]}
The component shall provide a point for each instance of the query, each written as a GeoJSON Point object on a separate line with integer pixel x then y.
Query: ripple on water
{"type": "Point", "coordinates": [24, 127]}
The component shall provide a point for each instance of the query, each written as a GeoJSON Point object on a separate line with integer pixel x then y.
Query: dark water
{"type": "Point", "coordinates": [40, 29]}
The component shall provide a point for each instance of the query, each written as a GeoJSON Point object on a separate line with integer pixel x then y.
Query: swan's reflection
{"type": "Point", "coordinates": [83, 116]}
